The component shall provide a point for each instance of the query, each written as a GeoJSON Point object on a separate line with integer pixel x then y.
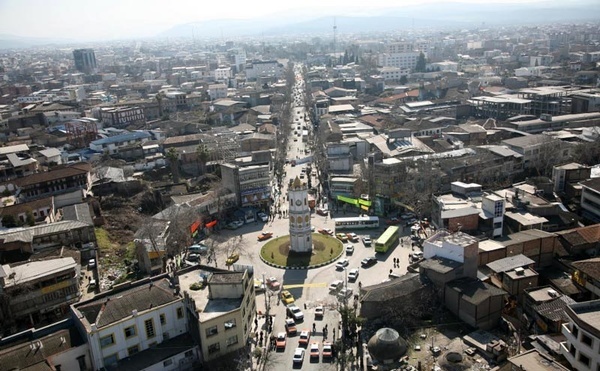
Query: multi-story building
{"type": "Point", "coordinates": [404, 60]}
{"type": "Point", "coordinates": [217, 91]}
{"type": "Point", "coordinates": [38, 291]}
{"type": "Point", "coordinates": [221, 315]}
{"type": "Point", "coordinates": [565, 176]}
{"type": "Point", "coordinates": [536, 149]}
{"type": "Point", "coordinates": [222, 73]}
{"type": "Point", "coordinates": [85, 60]}
{"type": "Point", "coordinates": [251, 184]}
{"type": "Point", "coordinates": [139, 326]}
{"type": "Point", "coordinates": [393, 73]}
{"type": "Point", "coordinates": [590, 199]}
{"type": "Point", "coordinates": [582, 346]}
{"type": "Point", "coordinates": [258, 69]}
{"type": "Point", "coordinates": [122, 116]}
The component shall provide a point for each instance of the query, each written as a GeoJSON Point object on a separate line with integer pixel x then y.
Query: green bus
{"type": "Point", "coordinates": [388, 239]}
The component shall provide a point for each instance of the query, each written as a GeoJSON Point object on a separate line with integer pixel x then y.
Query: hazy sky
{"type": "Point", "coordinates": [110, 19]}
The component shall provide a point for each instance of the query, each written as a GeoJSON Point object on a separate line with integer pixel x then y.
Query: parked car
{"type": "Point", "coordinates": [341, 264]}
{"type": "Point", "coordinates": [193, 257]}
{"type": "Point", "coordinates": [353, 274]}
{"type": "Point", "coordinates": [322, 212]}
{"type": "Point", "coordinates": [259, 286]}
{"type": "Point", "coordinates": [280, 340]}
{"type": "Point", "coordinates": [290, 327]}
{"type": "Point", "coordinates": [342, 237]}
{"type": "Point", "coordinates": [232, 258]}
{"type": "Point", "coordinates": [262, 216]}
{"type": "Point", "coordinates": [367, 240]}
{"type": "Point", "coordinates": [287, 297]}
{"type": "Point", "coordinates": [367, 262]}
{"type": "Point", "coordinates": [295, 312]}
{"type": "Point", "coordinates": [304, 337]}
{"type": "Point", "coordinates": [416, 256]}
{"type": "Point", "coordinates": [265, 236]}
{"type": "Point", "coordinates": [299, 355]}
{"type": "Point", "coordinates": [91, 263]}
{"type": "Point", "coordinates": [92, 284]}
{"type": "Point", "coordinates": [349, 249]}
{"type": "Point", "coordinates": [273, 283]}
{"type": "Point", "coordinates": [198, 249]}
{"type": "Point", "coordinates": [238, 223]}
{"type": "Point", "coordinates": [393, 221]}
{"type": "Point", "coordinates": [336, 285]}
{"type": "Point", "coordinates": [319, 311]}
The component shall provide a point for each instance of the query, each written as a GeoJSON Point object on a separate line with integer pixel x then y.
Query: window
{"type": "Point", "coordinates": [163, 319]}
{"type": "Point", "coordinates": [107, 341]}
{"type": "Point", "coordinates": [180, 313]}
{"type": "Point", "coordinates": [189, 353]}
{"type": "Point", "coordinates": [133, 350]}
{"type": "Point", "coordinates": [168, 362]}
{"type": "Point", "coordinates": [232, 340]}
{"type": "Point", "coordinates": [586, 340]}
{"type": "Point", "coordinates": [149, 325]}
{"type": "Point", "coordinates": [584, 359]}
{"type": "Point", "coordinates": [211, 331]}
{"type": "Point", "coordinates": [81, 362]}
{"type": "Point", "coordinates": [129, 332]}
{"type": "Point", "coordinates": [214, 348]}
{"type": "Point", "coordinates": [575, 331]}
{"type": "Point", "coordinates": [229, 324]}
{"type": "Point", "coordinates": [111, 360]}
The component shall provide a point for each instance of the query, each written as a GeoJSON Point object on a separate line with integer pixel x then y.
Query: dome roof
{"type": "Point", "coordinates": [386, 344]}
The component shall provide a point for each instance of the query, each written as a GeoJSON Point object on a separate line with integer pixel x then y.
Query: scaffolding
{"type": "Point", "coordinates": [81, 132]}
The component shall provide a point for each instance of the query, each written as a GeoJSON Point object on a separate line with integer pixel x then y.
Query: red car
{"type": "Point", "coordinates": [304, 337]}
{"type": "Point", "coordinates": [280, 341]}
{"type": "Point", "coordinates": [265, 236]}
{"type": "Point", "coordinates": [327, 350]}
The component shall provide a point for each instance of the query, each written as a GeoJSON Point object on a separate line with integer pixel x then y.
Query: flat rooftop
{"type": "Point", "coordinates": [588, 312]}
{"type": "Point", "coordinates": [206, 308]}
{"type": "Point", "coordinates": [31, 271]}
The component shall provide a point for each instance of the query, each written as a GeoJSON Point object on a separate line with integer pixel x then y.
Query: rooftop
{"type": "Point", "coordinates": [114, 306]}
{"type": "Point", "coordinates": [588, 312]}
{"type": "Point", "coordinates": [533, 360]}
{"type": "Point", "coordinates": [475, 291]}
{"type": "Point", "coordinates": [31, 271]}
{"type": "Point", "coordinates": [510, 263]}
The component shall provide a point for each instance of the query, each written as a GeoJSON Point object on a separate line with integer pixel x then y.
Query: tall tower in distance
{"type": "Point", "coordinates": [85, 60]}
{"type": "Point", "coordinates": [334, 36]}
{"type": "Point", "coordinates": [300, 233]}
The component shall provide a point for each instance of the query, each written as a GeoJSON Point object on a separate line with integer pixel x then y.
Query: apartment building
{"type": "Point", "coordinates": [217, 91]}
{"type": "Point", "coordinates": [221, 315]}
{"type": "Point", "coordinates": [136, 326]}
{"type": "Point", "coordinates": [38, 291]}
{"type": "Point", "coordinates": [582, 346]}
{"type": "Point", "coordinates": [590, 199]}
{"type": "Point", "coordinates": [251, 183]}
{"type": "Point", "coordinates": [258, 69]}
{"type": "Point", "coordinates": [121, 116]}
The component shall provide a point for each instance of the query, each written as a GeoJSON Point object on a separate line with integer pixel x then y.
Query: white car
{"type": "Point", "coordinates": [353, 274]}
{"type": "Point", "coordinates": [264, 217]}
{"type": "Point", "coordinates": [299, 355]}
{"type": "Point", "coordinates": [319, 311]}
{"type": "Point", "coordinates": [295, 312]}
{"type": "Point", "coordinates": [341, 264]}
{"type": "Point", "coordinates": [336, 285]}
{"type": "Point", "coordinates": [349, 249]}
{"type": "Point", "coordinates": [91, 263]}
{"type": "Point", "coordinates": [367, 240]}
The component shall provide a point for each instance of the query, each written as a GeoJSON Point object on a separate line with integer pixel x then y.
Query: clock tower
{"type": "Point", "coordinates": [299, 213]}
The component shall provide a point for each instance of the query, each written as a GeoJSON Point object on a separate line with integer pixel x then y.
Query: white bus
{"type": "Point", "coordinates": [357, 222]}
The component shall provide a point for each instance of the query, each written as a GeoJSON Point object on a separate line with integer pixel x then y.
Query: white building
{"type": "Point", "coordinates": [590, 198]}
{"type": "Point", "coordinates": [493, 207]}
{"type": "Point", "coordinates": [258, 69]}
{"type": "Point", "coordinates": [300, 232]}
{"type": "Point", "coordinates": [222, 73]}
{"type": "Point", "coordinates": [406, 60]}
{"type": "Point", "coordinates": [223, 312]}
{"type": "Point", "coordinates": [142, 325]}
{"type": "Point", "coordinates": [445, 66]}
{"type": "Point", "coordinates": [393, 73]}
{"type": "Point", "coordinates": [582, 346]}
{"type": "Point", "coordinates": [217, 91]}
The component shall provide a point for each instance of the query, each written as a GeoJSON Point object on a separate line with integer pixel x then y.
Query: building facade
{"type": "Point", "coordinates": [582, 346]}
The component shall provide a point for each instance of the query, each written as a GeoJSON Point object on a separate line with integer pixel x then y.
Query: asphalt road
{"type": "Point", "coordinates": [309, 287]}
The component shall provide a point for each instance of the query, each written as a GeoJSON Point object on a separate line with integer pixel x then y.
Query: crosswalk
{"type": "Point", "coordinates": [319, 284]}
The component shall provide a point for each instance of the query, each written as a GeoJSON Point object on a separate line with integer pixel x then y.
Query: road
{"type": "Point", "coordinates": [309, 287]}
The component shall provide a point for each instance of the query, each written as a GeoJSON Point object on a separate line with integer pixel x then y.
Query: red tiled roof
{"type": "Point", "coordinates": [57, 173]}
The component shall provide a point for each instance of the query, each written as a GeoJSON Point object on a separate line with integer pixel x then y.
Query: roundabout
{"type": "Point", "coordinates": [325, 250]}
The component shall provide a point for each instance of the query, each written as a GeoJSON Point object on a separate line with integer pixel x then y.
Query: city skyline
{"type": "Point", "coordinates": [113, 19]}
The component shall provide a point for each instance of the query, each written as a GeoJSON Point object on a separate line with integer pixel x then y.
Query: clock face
{"type": "Point", "coordinates": [298, 202]}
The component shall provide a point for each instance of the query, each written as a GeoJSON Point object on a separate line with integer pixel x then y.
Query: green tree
{"type": "Point", "coordinates": [173, 158]}
{"type": "Point", "coordinates": [403, 79]}
{"type": "Point", "coordinates": [30, 220]}
{"type": "Point", "coordinates": [9, 221]}
{"type": "Point", "coordinates": [203, 156]}
{"type": "Point", "coordinates": [421, 63]}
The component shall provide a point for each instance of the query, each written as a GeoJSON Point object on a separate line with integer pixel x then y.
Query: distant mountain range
{"type": "Point", "coordinates": [454, 14]}
{"type": "Point", "coordinates": [439, 15]}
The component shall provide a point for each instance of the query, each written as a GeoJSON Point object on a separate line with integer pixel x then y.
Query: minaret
{"type": "Point", "coordinates": [300, 233]}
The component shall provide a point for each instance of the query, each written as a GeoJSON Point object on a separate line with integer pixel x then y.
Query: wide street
{"type": "Point", "coordinates": [310, 288]}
